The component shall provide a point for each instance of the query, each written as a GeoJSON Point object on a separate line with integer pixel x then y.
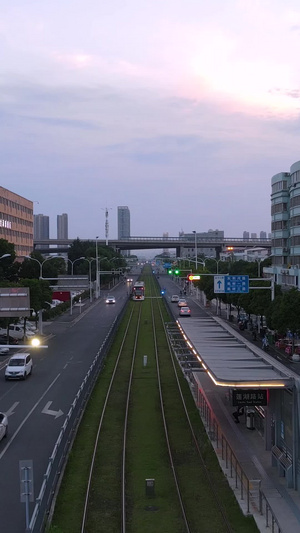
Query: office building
{"type": "Point", "coordinates": [62, 226]}
{"type": "Point", "coordinates": [16, 221]}
{"type": "Point", "coordinates": [245, 235]}
{"type": "Point", "coordinates": [124, 224]}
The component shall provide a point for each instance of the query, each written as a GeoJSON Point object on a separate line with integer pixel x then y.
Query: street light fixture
{"type": "Point", "coordinates": [216, 260]}
{"type": "Point", "coordinates": [73, 262]}
{"type": "Point", "coordinates": [5, 255]}
{"type": "Point", "coordinates": [196, 253]}
{"type": "Point", "coordinates": [40, 263]}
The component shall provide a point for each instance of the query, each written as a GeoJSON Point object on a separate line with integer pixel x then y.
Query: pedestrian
{"type": "Point", "coordinates": [236, 414]}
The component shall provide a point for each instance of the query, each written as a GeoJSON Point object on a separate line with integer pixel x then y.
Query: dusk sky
{"type": "Point", "coordinates": [182, 110]}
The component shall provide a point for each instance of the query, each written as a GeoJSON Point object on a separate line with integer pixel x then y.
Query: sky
{"type": "Point", "coordinates": [182, 110]}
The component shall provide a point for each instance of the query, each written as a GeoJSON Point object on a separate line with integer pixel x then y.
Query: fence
{"type": "Point", "coordinates": [249, 492]}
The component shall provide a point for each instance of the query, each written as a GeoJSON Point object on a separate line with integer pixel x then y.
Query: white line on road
{"type": "Point", "coordinates": [26, 418]}
{"type": "Point", "coordinates": [11, 410]}
{"type": "Point", "coordinates": [48, 411]}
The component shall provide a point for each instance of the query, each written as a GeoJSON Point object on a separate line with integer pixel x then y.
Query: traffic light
{"type": "Point", "coordinates": [169, 271]}
{"type": "Point", "coordinates": [176, 272]}
{"type": "Point", "coordinates": [194, 277]}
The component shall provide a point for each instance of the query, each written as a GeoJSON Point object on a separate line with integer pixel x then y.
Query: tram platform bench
{"type": "Point", "coordinates": [284, 465]}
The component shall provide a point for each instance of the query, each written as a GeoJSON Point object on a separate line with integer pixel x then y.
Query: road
{"type": "Point", "coordinates": [37, 407]}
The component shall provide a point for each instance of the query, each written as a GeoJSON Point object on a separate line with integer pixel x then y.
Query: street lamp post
{"type": "Point", "coordinates": [99, 275]}
{"type": "Point", "coordinates": [90, 275]}
{"type": "Point", "coordinates": [217, 262]}
{"type": "Point", "coordinates": [40, 263]}
{"type": "Point", "coordinates": [40, 277]}
{"type": "Point", "coordinates": [195, 233]}
{"type": "Point", "coordinates": [97, 269]}
{"type": "Point", "coordinates": [73, 262]}
{"type": "Point", "coordinates": [259, 260]}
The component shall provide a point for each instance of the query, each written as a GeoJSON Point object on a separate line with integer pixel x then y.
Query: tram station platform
{"type": "Point", "coordinates": [256, 475]}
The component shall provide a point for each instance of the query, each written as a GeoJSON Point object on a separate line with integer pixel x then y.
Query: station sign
{"type": "Point", "coordinates": [243, 397]}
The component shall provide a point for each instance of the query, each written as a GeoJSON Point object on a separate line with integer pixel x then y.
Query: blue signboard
{"type": "Point", "coordinates": [231, 284]}
{"type": "Point", "coordinates": [236, 284]}
{"type": "Point", "coordinates": [167, 265]}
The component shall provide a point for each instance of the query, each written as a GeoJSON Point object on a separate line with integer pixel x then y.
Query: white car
{"type": "Point", "coordinates": [175, 298]}
{"type": "Point", "coordinates": [3, 425]}
{"type": "Point", "coordinates": [110, 299]}
{"type": "Point", "coordinates": [19, 366]}
{"type": "Point", "coordinates": [17, 332]}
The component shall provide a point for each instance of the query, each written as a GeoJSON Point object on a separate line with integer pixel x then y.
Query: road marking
{"type": "Point", "coordinates": [11, 410]}
{"type": "Point", "coordinates": [26, 418]}
{"type": "Point", "coordinates": [48, 411]}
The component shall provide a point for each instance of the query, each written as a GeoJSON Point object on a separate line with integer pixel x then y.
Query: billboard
{"type": "Point", "coordinates": [14, 302]}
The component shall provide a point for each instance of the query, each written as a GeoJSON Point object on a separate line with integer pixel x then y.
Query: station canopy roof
{"type": "Point", "coordinates": [229, 359]}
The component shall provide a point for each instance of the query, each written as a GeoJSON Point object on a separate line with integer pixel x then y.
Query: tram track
{"type": "Point", "coordinates": [93, 473]}
{"type": "Point", "coordinates": [179, 488]}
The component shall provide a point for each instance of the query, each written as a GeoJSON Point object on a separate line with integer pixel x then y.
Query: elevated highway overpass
{"type": "Point", "coordinates": [153, 243]}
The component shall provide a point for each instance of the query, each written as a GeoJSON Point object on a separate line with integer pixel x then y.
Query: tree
{"type": "Point", "coordinates": [284, 314]}
{"type": "Point", "coordinates": [7, 270]}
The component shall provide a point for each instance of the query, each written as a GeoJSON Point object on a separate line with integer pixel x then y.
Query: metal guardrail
{"type": "Point", "coordinates": [249, 491]}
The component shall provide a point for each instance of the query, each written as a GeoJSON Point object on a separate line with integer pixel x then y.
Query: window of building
{"type": "Point", "coordinates": [279, 186]}
{"type": "Point", "coordinates": [278, 208]}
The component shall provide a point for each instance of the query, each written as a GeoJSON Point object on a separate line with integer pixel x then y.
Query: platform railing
{"type": "Point", "coordinates": [248, 491]}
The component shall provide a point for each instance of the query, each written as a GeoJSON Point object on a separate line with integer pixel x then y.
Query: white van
{"type": "Point", "coordinates": [19, 366]}
{"type": "Point", "coordinates": [17, 332]}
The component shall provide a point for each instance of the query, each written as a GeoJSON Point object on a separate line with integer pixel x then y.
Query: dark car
{"type": "Point", "coordinates": [9, 340]}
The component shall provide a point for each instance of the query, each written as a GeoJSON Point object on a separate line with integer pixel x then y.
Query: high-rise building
{"type": "Point", "coordinates": [246, 236]}
{"type": "Point", "coordinates": [16, 221]}
{"type": "Point", "coordinates": [285, 226]}
{"type": "Point", "coordinates": [124, 224]}
{"type": "Point", "coordinates": [40, 228]}
{"type": "Point", "coordinates": [263, 235]}
{"type": "Point", "coordinates": [166, 250]}
{"type": "Point", "coordinates": [62, 226]}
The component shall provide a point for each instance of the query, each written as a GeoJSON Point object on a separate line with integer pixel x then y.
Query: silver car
{"type": "Point", "coordinates": [3, 425]}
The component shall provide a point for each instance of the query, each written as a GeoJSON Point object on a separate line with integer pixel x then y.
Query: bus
{"type": "Point", "coordinates": [138, 291]}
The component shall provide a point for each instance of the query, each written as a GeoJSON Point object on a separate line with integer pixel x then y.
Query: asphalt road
{"type": "Point", "coordinates": [37, 407]}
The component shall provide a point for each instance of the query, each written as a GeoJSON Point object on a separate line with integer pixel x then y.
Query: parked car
{"type": "Point", "coordinates": [175, 298]}
{"type": "Point", "coordinates": [8, 340]}
{"type": "Point", "coordinates": [184, 311]}
{"type": "Point", "coordinates": [182, 302]}
{"type": "Point", "coordinates": [19, 366]}
{"type": "Point", "coordinates": [3, 425]}
{"type": "Point", "coordinates": [110, 299]}
{"type": "Point", "coordinates": [17, 332]}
